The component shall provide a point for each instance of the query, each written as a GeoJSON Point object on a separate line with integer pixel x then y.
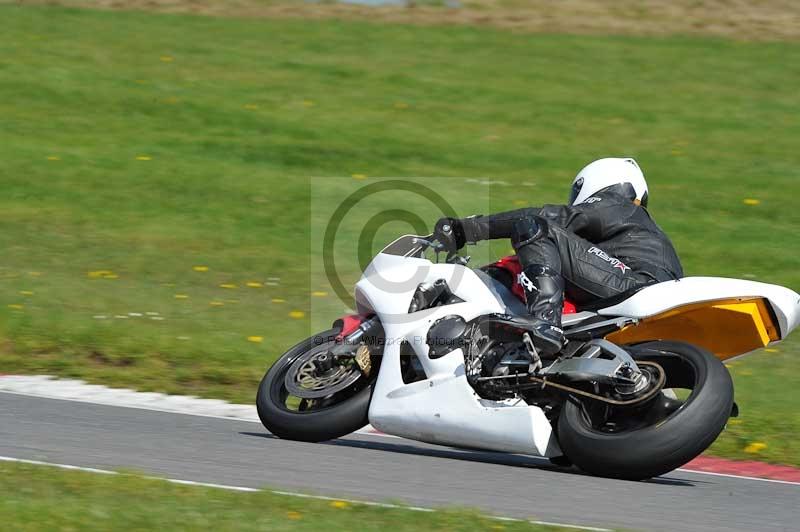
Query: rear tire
{"type": "Point", "coordinates": [670, 443]}
{"type": "Point", "coordinates": [328, 423]}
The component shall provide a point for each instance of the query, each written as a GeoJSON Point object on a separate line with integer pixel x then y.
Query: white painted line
{"type": "Point", "coordinates": [365, 431]}
{"type": "Point", "coordinates": [48, 387]}
{"type": "Point", "coordinates": [108, 472]}
{"type": "Point", "coordinates": [577, 527]}
{"type": "Point", "coordinates": [283, 493]}
{"type": "Point", "coordinates": [353, 501]}
{"type": "Point", "coordinates": [60, 466]}
{"type": "Point", "coordinates": [739, 477]}
{"type": "Point", "coordinates": [140, 407]}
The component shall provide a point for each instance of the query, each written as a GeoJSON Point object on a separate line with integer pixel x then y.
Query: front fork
{"type": "Point", "coordinates": [354, 330]}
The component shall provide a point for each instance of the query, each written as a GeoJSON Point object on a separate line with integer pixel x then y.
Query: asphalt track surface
{"type": "Point", "coordinates": [379, 468]}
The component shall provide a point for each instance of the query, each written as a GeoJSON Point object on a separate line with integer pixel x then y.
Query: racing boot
{"type": "Point", "coordinates": [544, 297]}
{"type": "Point", "coordinates": [543, 285]}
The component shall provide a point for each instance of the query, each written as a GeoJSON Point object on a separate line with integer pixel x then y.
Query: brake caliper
{"type": "Point", "coordinates": [363, 359]}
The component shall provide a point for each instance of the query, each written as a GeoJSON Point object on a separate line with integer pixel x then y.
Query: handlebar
{"type": "Point", "coordinates": [452, 257]}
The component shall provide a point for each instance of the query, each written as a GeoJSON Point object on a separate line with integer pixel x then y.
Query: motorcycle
{"type": "Point", "coordinates": [437, 353]}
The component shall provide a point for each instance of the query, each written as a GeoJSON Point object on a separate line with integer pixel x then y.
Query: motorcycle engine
{"type": "Point", "coordinates": [486, 356]}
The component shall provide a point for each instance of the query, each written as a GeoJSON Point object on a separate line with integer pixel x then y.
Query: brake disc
{"type": "Point", "coordinates": [317, 374]}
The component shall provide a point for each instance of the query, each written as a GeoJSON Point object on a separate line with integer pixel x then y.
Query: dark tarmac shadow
{"type": "Point", "coordinates": [487, 457]}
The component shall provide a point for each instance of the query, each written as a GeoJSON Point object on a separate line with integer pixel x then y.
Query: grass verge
{"type": "Point", "coordinates": [157, 194]}
{"type": "Point", "coordinates": [42, 498]}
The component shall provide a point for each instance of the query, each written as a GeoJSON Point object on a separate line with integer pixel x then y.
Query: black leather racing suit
{"type": "Point", "coordinates": [604, 247]}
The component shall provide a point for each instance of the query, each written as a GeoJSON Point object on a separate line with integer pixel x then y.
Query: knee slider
{"type": "Point", "coordinates": [528, 230]}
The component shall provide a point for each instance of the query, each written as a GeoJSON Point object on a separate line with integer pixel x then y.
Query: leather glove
{"type": "Point", "coordinates": [450, 233]}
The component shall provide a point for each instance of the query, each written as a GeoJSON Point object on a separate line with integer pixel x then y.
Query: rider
{"type": "Point", "coordinates": [603, 244]}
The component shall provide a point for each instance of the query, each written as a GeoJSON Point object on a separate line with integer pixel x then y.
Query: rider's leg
{"type": "Point", "coordinates": [554, 259]}
{"type": "Point", "coordinates": [588, 271]}
{"type": "Point", "coordinates": [541, 279]}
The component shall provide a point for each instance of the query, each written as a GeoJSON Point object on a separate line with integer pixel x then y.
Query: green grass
{"type": "Point", "coordinates": [41, 498]}
{"type": "Point", "coordinates": [145, 145]}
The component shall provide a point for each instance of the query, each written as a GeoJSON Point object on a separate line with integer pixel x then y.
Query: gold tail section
{"type": "Point", "coordinates": [726, 328]}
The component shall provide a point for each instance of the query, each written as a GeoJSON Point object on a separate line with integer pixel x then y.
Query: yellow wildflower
{"type": "Point", "coordinates": [359, 176]}
{"type": "Point", "coordinates": [166, 58]}
{"type": "Point", "coordinates": [294, 516]}
{"type": "Point", "coordinates": [254, 284]}
{"type": "Point", "coordinates": [227, 285]}
{"type": "Point", "coordinates": [216, 303]}
{"type": "Point", "coordinates": [143, 158]}
{"type": "Point", "coordinates": [755, 447]}
{"type": "Point", "coordinates": [339, 504]}
{"type": "Point", "coordinates": [319, 293]}
{"type": "Point", "coordinates": [16, 306]}
{"type": "Point", "coordinates": [255, 339]}
{"type": "Point", "coordinates": [99, 273]}
{"type": "Point", "coordinates": [181, 296]}
{"type": "Point", "coordinates": [53, 158]}
{"type": "Point", "coordinates": [751, 201]}
{"type": "Point", "coordinates": [278, 300]}
{"type": "Point", "coordinates": [297, 314]}
{"type": "Point", "coordinates": [200, 268]}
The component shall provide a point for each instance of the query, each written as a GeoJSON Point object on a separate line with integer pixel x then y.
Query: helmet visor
{"type": "Point", "coordinates": [576, 189]}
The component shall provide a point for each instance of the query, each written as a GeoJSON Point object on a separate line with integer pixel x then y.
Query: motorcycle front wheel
{"type": "Point", "coordinates": [667, 433]}
{"type": "Point", "coordinates": [306, 397]}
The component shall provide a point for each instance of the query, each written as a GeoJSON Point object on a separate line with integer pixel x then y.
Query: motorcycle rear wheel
{"type": "Point", "coordinates": [651, 442]}
{"type": "Point", "coordinates": [317, 420]}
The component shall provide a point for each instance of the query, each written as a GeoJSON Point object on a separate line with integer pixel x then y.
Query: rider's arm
{"type": "Point", "coordinates": [489, 227]}
{"type": "Point", "coordinates": [494, 226]}
{"type": "Point", "coordinates": [593, 220]}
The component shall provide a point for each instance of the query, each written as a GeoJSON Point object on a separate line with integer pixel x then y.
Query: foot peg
{"type": "Point", "coordinates": [537, 361]}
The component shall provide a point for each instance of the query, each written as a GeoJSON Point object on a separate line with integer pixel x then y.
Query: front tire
{"type": "Point", "coordinates": [664, 444]}
{"type": "Point", "coordinates": [340, 415]}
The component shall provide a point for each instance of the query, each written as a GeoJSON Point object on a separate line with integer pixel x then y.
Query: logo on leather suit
{"type": "Point", "coordinates": [526, 283]}
{"type": "Point", "coordinates": [616, 263]}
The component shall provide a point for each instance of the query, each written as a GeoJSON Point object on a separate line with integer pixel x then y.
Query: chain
{"type": "Point", "coordinates": [544, 382]}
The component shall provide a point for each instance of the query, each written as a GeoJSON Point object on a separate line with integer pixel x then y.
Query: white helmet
{"type": "Point", "coordinates": [604, 173]}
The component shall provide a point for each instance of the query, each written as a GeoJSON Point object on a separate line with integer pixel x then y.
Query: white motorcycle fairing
{"type": "Point", "coordinates": [444, 408]}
